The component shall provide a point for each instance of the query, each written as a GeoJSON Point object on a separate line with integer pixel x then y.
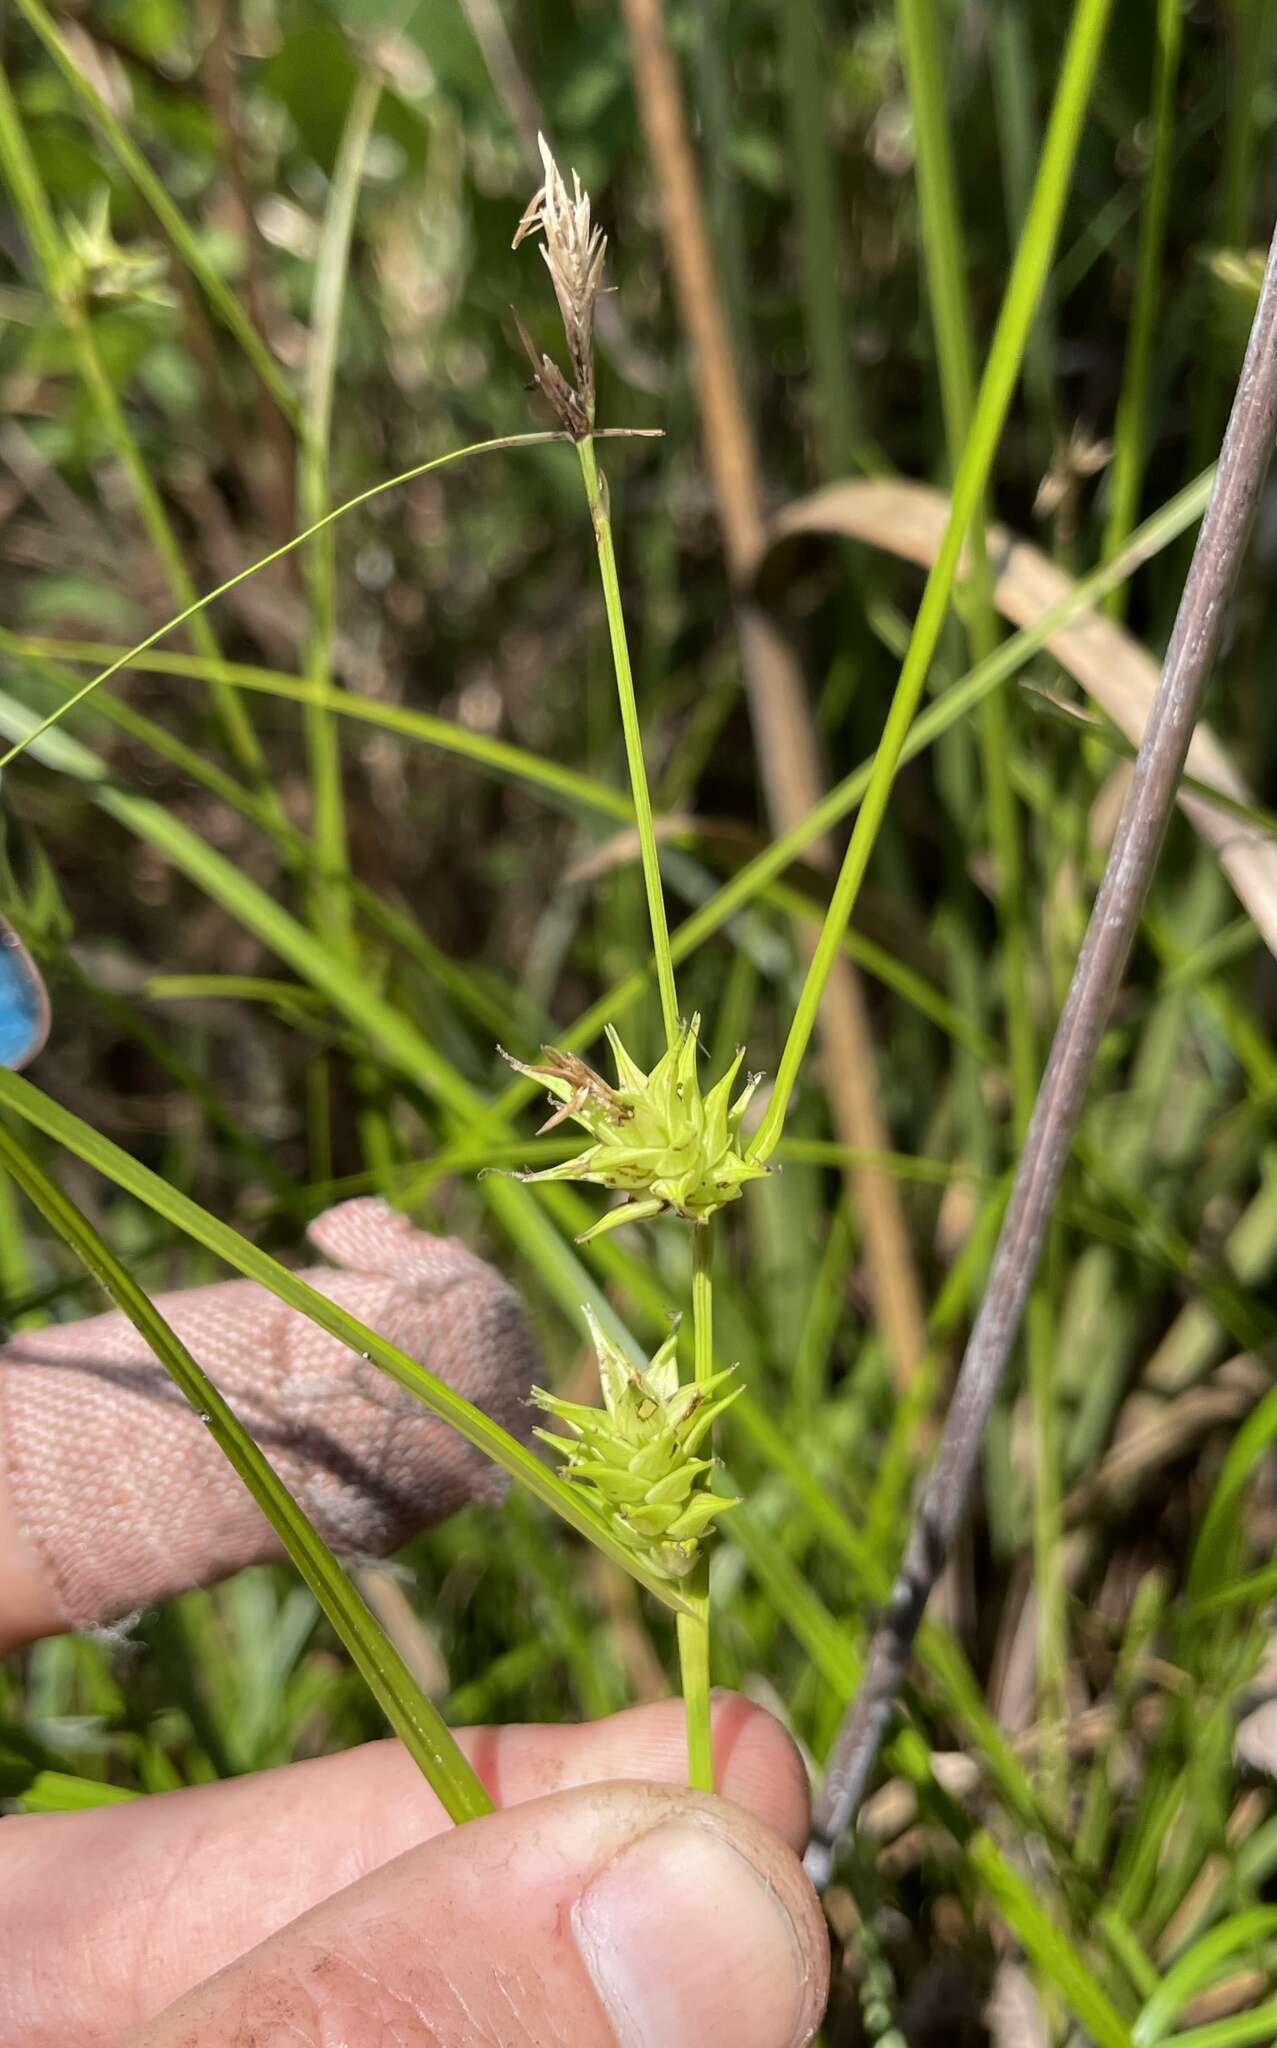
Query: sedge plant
{"type": "Point", "coordinates": [1093, 1917]}
{"type": "Point", "coordinates": [645, 1459]}
{"type": "Point", "coordinates": [654, 1138]}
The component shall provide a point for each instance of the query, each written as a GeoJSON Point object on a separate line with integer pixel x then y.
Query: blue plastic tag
{"type": "Point", "coordinates": [24, 1004]}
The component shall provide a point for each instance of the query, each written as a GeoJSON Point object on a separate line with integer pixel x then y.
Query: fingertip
{"type": "Point", "coordinates": [758, 1765]}
{"type": "Point", "coordinates": [744, 1956]}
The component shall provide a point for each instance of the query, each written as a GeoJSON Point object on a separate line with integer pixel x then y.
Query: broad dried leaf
{"type": "Point", "coordinates": [908, 520]}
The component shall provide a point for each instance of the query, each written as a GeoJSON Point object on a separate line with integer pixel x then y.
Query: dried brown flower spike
{"type": "Point", "coordinates": [573, 252]}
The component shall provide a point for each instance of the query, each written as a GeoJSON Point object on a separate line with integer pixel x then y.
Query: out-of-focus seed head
{"type": "Point", "coordinates": [100, 270]}
{"type": "Point", "coordinates": [574, 249]}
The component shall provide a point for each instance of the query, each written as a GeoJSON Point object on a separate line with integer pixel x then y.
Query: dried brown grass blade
{"type": "Point", "coordinates": [908, 520]}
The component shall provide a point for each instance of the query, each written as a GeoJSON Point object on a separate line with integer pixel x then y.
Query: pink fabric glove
{"type": "Point", "coordinates": [114, 1483]}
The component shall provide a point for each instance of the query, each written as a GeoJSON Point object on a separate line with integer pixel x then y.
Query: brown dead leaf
{"type": "Point", "coordinates": [908, 520]}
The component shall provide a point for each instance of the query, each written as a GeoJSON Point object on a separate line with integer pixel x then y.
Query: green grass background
{"type": "Point", "coordinates": [318, 853]}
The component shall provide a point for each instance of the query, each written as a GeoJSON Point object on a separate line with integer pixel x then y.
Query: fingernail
{"type": "Point", "coordinates": [686, 1942]}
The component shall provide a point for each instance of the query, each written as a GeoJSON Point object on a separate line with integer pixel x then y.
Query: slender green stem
{"type": "Point", "coordinates": [693, 1659]}
{"type": "Point", "coordinates": [330, 900]}
{"type": "Point", "coordinates": [415, 1720]}
{"type": "Point", "coordinates": [1028, 274]}
{"type": "Point", "coordinates": [1131, 429]}
{"type": "Point", "coordinates": [596, 496]}
{"type": "Point", "coordinates": [693, 1628]}
{"type": "Point", "coordinates": [703, 1302]}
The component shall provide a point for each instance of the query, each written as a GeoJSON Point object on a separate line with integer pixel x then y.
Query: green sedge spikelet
{"type": "Point", "coordinates": [99, 270]}
{"type": "Point", "coordinates": [637, 1455]}
{"type": "Point", "coordinates": [655, 1137]}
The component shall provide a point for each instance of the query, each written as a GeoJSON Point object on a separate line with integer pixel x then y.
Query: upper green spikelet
{"type": "Point", "coordinates": [655, 1136]}
{"type": "Point", "coordinates": [636, 1456]}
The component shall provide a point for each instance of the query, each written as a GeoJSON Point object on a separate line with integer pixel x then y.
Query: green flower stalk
{"type": "Point", "coordinates": [655, 1136]}
{"type": "Point", "coordinates": [636, 1456]}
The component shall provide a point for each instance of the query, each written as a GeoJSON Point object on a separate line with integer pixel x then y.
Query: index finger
{"type": "Point", "coordinates": [113, 1496]}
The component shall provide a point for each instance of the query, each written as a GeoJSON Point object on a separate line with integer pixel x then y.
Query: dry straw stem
{"type": "Point", "coordinates": [784, 736]}
{"type": "Point", "coordinates": [1119, 904]}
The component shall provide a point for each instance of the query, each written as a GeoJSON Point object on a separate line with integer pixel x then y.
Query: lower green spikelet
{"type": "Point", "coordinates": [636, 1456]}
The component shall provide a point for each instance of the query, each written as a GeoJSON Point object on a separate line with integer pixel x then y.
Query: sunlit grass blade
{"type": "Point", "coordinates": [298, 540]}
{"type": "Point", "coordinates": [1028, 273]}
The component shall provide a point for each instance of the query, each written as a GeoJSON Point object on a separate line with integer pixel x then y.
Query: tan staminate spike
{"type": "Point", "coordinates": [574, 251]}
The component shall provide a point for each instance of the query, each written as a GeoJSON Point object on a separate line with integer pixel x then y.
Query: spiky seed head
{"type": "Point", "coordinates": [636, 1456]}
{"type": "Point", "coordinates": [99, 269]}
{"type": "Point", "coordinates": [655, 1137]}
{"type": "Point", "coordinates": [573, 249]}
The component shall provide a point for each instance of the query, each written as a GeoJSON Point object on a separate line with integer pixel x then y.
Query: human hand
{"type": "Point", "coordinates": [332, 1901]}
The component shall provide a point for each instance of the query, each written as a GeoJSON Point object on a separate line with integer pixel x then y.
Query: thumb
{"type": "Point", "coordinates": [611, 1916]}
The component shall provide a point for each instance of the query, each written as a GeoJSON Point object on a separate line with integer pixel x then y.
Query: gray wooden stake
{"type": "Point", "coordinates": [1194, 644]}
